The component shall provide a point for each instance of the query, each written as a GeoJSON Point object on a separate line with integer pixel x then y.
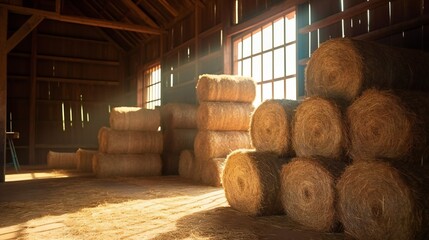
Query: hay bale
{"type": "Point", "coordinates": [271, 126]}
{"type": "Point", "coordinates": [84, 159]}
{"type": "Point", "coordinates": [308, 193]}
{"type": "Point", "coordinates": [251, 181]}
{"type": "Point", "coordinates": [225, 116]}
{"type": "Point", "coordinates": [218, 144]}
{"type": "Point", "coordinates": [127, 165]}
{"type": "Point", "coordinates": [134, 118]}
{"type": "Point", "coordinates": [319, 129]}
{"type": "Point", "coordinates": [225, 88]}
{"type": "Point", "coordinates": [61, 160]}
{"type": "Point", "coordinates": [176, 140]}
{"type": "Point", "coordinates": [386, 124]}
{"type": "Point", "coordinates": [186, 163]}
{"type": "Point", "coordinates": [377, 200]}
{"type": "Point", "coordinates": [178, 115]}
{"type": "Point", "coordinates": [211, 171]}
{"type": "Point", "coordinates": [170, 163]}
{"type": "Point", "coordinates": [129, 142]}
{"type": "Point", "coordinates": [342, 68]}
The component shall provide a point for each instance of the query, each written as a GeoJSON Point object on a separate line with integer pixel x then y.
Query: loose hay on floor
{"type": "Point", "coordinates": [271, 127]}
{"type": "Point", "coordinates": [158, 208]}
{"type": "Point", "coordinates": [251, 181]}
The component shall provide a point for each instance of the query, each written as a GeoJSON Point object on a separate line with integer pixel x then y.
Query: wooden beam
{"type": "Point", "coordinates": [82, 20]}
{"type": "Point", "coordinates": [137, 10]}
{"type": "Point", "coordinates": [169, 8]}
{"type": "Point", "coordinates": [58, 6]}
{"type": "Point", "coordinates": [23, 31]}
{"type": "Point", "coordinates": [33, 97]}
{"type": "Point", "coordinates": [79, 81]}
{"type": "Point", "coordinates": [69, 59]}
{"type": "Point", "coordinates": [3, 91]}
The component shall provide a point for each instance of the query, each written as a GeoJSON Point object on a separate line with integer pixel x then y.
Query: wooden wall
{"type": "Point", "coordinates": [62, 79]}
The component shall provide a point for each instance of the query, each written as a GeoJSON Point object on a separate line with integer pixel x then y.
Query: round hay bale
{"type": "Point", "coordinates": [384, 124]}
{"type": "Point", "coordinates": [211, 171]}
{"type": "Point", "coordinates": [84, 159]}
{"type": "Point", "coordinates": [218, 144]}
{"type": "Point", "coordinates": [319, 129]}
{"type": "Point", "coordinates": [251, 181]}
{"type": "Point", "coordinates": [176, 140]}
{"type": "Point", "coordinates": [129, 142]}
{"type": "Point", "coordinates": [377, 200]}
{"type": "Point", "coordinates": [170, 163]}
{"type": "Point", "coordinates": [225, 88]}
{"type": "Point", "coordinates": [186, 163]}
{"type": "Point", "coordinates": [342, 68]}
{"type": "Point", "coordinates": [225, 116]}
{"type": "Point", "coordinates": [308, 193]}
{"type": "Point", "coordinates": [271, 126]}
{"type": "Point", "coordinates": [178, 115]}
{"type": "Point", "coordinates": [61, 160]}
{"type": "Point", "coordinates": [127, 165]}
{"type": "Point", "coordinates": [134, 118]}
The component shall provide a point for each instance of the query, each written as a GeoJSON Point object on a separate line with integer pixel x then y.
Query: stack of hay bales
{"type": "Point", "coordinates": [223, 117]}
{"type": "Point", "coordinates": [382, 194]}
{"type": "Point", "coordinates": [179, 127]}
{"type": "Point", "coordinates": [132, 146]}
{"type": "Point", "coordinates": [353, 150]}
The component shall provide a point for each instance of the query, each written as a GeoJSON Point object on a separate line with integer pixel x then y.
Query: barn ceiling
{"type": "Point", "coordinates": [153, 14]}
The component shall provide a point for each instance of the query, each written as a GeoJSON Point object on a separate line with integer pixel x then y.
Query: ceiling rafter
{"type": "Point", "coordinates": [138, 11]}
{"type": "Point", "coordinates": [82, 20]}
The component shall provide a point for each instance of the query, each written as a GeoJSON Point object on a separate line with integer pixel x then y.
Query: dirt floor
{"type": "Point", "coordinates": [48, 204]}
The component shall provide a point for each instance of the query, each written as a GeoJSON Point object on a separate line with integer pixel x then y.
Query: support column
{"type": "Point", "coordinates": [3, 92]}
{"type": "Point", "coordinates": [32, 99]}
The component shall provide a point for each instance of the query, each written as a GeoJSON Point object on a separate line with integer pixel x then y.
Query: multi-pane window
{"type": "Point", "coordinates": [268, 54]}
{"type": "Point", "coordinates": [151, 88]}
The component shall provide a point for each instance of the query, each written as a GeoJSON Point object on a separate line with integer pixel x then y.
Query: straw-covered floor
{"type": "Point", "coordinates": [85, 207]}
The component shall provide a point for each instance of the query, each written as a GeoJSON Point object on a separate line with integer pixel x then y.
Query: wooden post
{"type": "Point", "coordinates": [33, 82]}
{"type": "Point", "coordinates": [3, 91]}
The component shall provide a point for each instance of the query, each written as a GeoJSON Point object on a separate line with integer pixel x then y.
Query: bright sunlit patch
{"type": "Point", "coordinates": [36, 175]}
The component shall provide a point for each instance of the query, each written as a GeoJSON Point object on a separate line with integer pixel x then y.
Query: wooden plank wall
{"type": "Point", "coordinates": [192, 46]}
{"type": "Point", "coordinates": [77, 77]}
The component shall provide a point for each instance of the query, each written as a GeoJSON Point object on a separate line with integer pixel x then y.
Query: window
{"type": "Point", "coordinates": [149, 90]}
{"type": "Point", "coordinates": [268, 54]}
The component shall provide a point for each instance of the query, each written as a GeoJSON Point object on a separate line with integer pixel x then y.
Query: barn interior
{"type": "Point", "coordinates": [111, 126]}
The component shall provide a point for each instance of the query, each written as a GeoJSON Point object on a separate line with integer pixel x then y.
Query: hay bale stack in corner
{"type": "Point", "coordinates": [376, 90]}
{"type": "Point", "coordinates": [179, 127]}
{"type": "Point", "coordinates": [223, 119]}
{"type": "Point", "coordinates": [61, 160]}
{"type": "Point", "coordinates": [131, 146]}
